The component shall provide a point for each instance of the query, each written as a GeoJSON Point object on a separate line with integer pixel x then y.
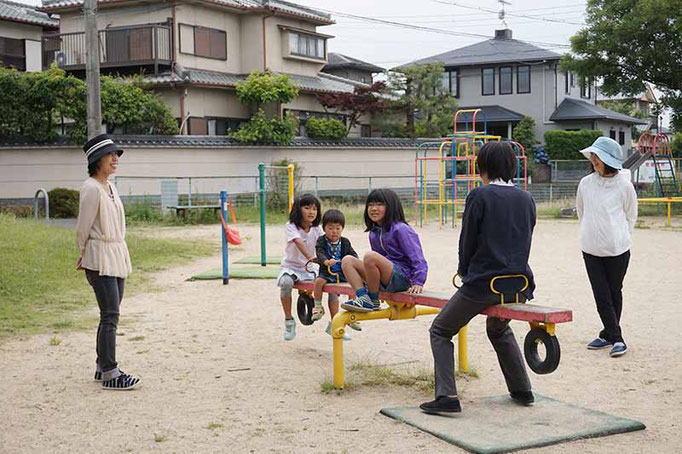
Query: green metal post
{"type": "Point", "coordinates": [261, 184]}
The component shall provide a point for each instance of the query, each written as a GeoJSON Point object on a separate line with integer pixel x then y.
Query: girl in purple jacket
{"type": "Point", "coordinates": [396, 262]}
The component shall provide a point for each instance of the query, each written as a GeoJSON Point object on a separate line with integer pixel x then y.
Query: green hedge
{"type": "Point", "coordinates": [325, 128]}
{"type": "Point", "coordinates": [63, 203]}
{"type": "Point", "coordinates": [567, 144]}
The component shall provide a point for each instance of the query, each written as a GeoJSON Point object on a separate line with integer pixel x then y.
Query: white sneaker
{"type": "Point", "coordinates": [346, 337]}
{"type": "Point", "coordinates": [289, 329]}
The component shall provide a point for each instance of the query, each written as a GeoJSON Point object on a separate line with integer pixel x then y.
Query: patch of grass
{"type": "Point", "coordinates": [40, 288]}
{"type": "Point", "coordinates": [54, 341]}
{"type": "Point", "coordinates": [552, 210]}
{"type": "Point", "coordinates": [159, 438]}
{"type": "Point", "coordinates": [214, 425]}
{"type": "Point", "coordinates": [136, 338]}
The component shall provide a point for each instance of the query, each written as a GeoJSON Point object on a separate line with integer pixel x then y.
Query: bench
{"type": "Point", "coordinates": [184, 209]}
{"type": "Point", "coordinates": [405, 305]}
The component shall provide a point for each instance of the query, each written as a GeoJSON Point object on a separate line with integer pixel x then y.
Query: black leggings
{"type": "Point", "coordinates": [606, 277]}
{"type": "Point", "coordinates": [109, 294]}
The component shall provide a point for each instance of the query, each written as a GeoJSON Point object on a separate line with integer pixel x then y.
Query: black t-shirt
{"type": "Point", "coordinates": [497, 228]}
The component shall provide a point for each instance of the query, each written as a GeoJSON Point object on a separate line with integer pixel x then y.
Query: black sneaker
{"type": "Point", "coordinates": [123, 382]}
{"type": "Point", "coordinates": [98, 375]}
{"type": "Point", "coordinates": [525, 398]}
{"type": "Point", "coordinates": [443, 404]}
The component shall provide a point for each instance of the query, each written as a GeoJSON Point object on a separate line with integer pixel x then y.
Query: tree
{"type": "Point", "coordinates": [524, 133]}
{"type": "Point", "coordinates": [421, 98]}
{"type": "Point", "coordinates": [629, 42]}
{"type": "Point", "coordinates": [363, 101]}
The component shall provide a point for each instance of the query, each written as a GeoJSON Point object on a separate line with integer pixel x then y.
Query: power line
{"type": "Point", "coordinates": [479, 8]}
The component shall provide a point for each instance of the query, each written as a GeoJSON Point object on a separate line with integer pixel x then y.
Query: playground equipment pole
{"type": "Point", "coordinates": [290, 171]}
{"type": "Point", "coordinates": [223, 212]}
{"type": "Point", "coordinates": [261, 184]}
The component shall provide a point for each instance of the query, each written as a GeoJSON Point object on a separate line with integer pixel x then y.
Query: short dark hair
{"type": "Point", "coordinates": [394, 209]}
{"type": "Point", "coordinates": [296, 217]}
{"type": "Point", "coordinates": [93, 167]}
{"type": "Point", "coordinates": [497, 160]}
{"type": "Point", "coordinates": [333, 217]}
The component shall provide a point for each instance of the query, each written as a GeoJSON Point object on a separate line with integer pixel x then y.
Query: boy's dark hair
{"type": "Point", "coordinates": [295, 217]}
{"type": "Point", "coordinates": [93, 167]}
{"type": "Point", "coordinates": [394, 209]}
{"type": "Point", "coordinates": [333, 217]}
{"type": "Point", "coordinates": [497, 160]}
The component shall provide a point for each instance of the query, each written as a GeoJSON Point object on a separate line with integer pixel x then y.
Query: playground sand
{"type": "Point", "coordinates": [217, 376]}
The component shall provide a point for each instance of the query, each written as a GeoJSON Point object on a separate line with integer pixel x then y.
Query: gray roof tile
{"type": "Point", "coordinates": [490, 113]}
{"type": "Point", "coordinates": [21, 12]}
{"type": "Point", "coordinates": [577, 109]}
{"type": "Point", "coordinates": [335, 60]}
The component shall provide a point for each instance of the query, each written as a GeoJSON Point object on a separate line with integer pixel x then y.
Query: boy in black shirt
{"type": "Point", "coordinates": [331, 248]}
{"type": "Point", "coordinates": [497, 226]}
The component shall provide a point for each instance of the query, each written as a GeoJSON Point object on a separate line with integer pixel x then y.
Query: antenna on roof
{"type": "Point", "coordinates": [501, 14]}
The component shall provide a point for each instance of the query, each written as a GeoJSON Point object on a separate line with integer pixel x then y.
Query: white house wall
{"type": "Point", "coordinates": [33, 38]}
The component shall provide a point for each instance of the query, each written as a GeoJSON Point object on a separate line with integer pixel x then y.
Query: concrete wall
{"type": "Point", "coordinates": [24, 170]}
{"type": "Point", "coordinates": [33, 36]}
{"type": "Point", "coordinates": [72, 21]}
{"type": "Point", "coordinates": [277, 43]}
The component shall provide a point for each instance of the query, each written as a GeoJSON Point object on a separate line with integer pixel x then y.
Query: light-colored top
{"type": "Point", "coordinates": [607, 209]}
{"type": "Point", "coordinates": [293, 258]}
{"type": "Point", "coordinates": [101, 230]}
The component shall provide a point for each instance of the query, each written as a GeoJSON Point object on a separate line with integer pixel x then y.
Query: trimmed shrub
{"type": "Point", "coordinates": [63, 203]}
{"type": "Point", "coordinates": [567, 144]}
{"type": "Point", "coordinates": [325, 128]}
{"type": "Point", "coordinates": [261, 129]}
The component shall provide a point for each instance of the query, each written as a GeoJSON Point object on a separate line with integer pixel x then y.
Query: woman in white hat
{"type": "Point", "coordinates": [100, 235]}
{"type": "Point", "coordinates": [606, 203]}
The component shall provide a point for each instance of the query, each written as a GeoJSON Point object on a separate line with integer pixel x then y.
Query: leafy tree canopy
{"type": "Point", "coordinates": [363, 101]}
{"type": "Point", "coordinates": [263, 87]}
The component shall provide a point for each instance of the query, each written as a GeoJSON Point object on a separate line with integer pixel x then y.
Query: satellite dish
{"type": "Point", "coordinates": [60, 57]}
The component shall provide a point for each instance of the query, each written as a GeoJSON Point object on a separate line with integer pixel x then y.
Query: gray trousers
{"type": "Point", "coordinates": [456, 314]}
{"type": "Point", "coordinates": [109, 293]}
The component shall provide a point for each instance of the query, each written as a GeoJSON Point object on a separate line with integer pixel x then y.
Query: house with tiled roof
{"type": "Point", "coordinates": [351, 68]}
{"type": "Point", "coordinates": [21, 30]}
{"type": "Point", "coordinates": [194, 52]}
{"type": "Point", "coordinates": [509, 79]}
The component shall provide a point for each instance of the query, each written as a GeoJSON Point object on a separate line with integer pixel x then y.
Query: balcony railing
{"type": "Point", "coordinates": [121, 46]}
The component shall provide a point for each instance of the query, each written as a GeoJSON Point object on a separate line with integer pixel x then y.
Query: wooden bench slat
{"type": "Point", "coordinates": [512, 311]}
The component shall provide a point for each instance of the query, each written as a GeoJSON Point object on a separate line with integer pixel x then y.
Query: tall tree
{"type": "Point", "coordinates": [363, 101]}
{"type": "Point", "coordinates": [629, 42]}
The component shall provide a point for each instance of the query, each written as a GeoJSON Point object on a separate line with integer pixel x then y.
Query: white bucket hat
{"type": "Point", "coordinates": [608, 150]}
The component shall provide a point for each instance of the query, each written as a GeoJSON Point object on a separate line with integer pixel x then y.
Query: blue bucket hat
{"type": "Point", "coordinates": [608, 150]}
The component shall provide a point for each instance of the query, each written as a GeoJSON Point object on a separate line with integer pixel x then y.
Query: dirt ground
{"type": "Point", "coordinates": [217, 376]}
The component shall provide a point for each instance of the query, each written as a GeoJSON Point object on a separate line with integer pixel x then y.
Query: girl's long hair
{"type": "Point", "coordinates": [394, 209]}
{"type": "Point", "coordinates": [296, 215]}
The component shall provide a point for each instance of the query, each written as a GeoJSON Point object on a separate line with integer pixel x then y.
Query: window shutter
{"type": "Point", "coordinates": [218, 44]}
{"type": "Point", "coordinates": [202, 41]}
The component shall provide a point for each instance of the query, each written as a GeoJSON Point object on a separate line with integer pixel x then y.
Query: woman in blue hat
{"type": "Point", "coordinates": [606, 203]}
{"type": "Point", "coordinates": [100, 235]}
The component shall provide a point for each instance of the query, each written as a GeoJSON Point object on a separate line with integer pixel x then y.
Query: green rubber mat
{"type": "Point", "coordinates": [255, 260]}
{"type": "Point", "coordinates": [242, 272]}
{"type": "Point", "coordinates": [497, 424]}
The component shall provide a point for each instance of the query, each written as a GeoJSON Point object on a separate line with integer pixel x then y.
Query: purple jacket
{"type": "Point", "coordinates": [402, 247]}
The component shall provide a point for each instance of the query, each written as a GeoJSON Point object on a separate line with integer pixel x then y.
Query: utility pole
{"type": "Point", "coordinates": [92, 68]}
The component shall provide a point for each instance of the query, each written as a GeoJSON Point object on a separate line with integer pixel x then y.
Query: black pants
{"type": "Point", "coordinates": [606, 278]}
{"type": "Point", "coordinates": [456, 314]}
{"type": "Point", "coordinates": [109, 293]}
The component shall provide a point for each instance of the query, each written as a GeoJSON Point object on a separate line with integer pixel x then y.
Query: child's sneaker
{"type": "Point", "coordinates": [123, 382]}
{"type": "Point", "coordinates": [318, 312]}
{"type": "Point", "coordinates": [289, 329]}
{"type": "Point", "coordinates": [362, 303]}
{"type": "Point", "coordinates": [346, 337]}
{"type": "Point", "coordinates": [356, 326]}
{"type": "Point", "coordinates": [619, 349]}
{"type": "Point", "coordinates": [599, 344]}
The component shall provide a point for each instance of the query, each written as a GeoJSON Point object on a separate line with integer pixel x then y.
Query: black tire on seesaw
{"type": "Point", "coordinates": [530, 350]}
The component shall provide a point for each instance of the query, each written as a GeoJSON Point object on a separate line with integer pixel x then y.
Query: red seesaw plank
{"type": "Point", "coordinates": [511, 311]}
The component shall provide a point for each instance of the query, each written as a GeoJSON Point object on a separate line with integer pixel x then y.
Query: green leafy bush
{"type": "Point", "coordinates": [261, 129]}
{"type": "Point", "coordinates": [567, 144]}
{"type": "Point", "coordinates": [263, 87]}
{"type": "Point", "coordinates": [524, 133]}
{"type": "Point", "coordinates": [676, 145]}
{"type": "Point", "coordinates": [325, 128]}
{"type": "Point", "coordinates": [63, 203]}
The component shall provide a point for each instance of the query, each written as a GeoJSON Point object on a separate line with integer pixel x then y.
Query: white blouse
{"type": "Point", "coordinates": [607, 209]}
{"type": "Point", "coordinates": [101, 230]}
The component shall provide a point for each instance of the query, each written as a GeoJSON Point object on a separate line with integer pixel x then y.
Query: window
{"type": "Point", "coordinates": [197, 126]}
{"type": "Point", "coordinates": [612, 134]}
{"type": "Point", "coordinates": [13, 53]}
{"type": "Point", "coordinates": [203, 42]}
{"type": "Point", "coordinates": [621, 137]}
{"type": "Point", "coordinates": [567, 82]}
{"type": "Point", "coordinates": [506, 80]}
{"type": "Point", "coordinates": [585, 88]}
{"type": "Point", "coordinates": [488, 81]}
{"type": "Point", "coordinates": [306, 45]}
{"type": "Point", "coordinates": [523, 79]}
{"type": "Point", "coordinates": [450, 82]}
{"type": "Point", "coordinates": [221, 126]}
{"type": "Point", "coordinates": [365, 131]}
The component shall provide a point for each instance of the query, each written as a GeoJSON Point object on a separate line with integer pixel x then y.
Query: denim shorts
{"type": "Point", "coordinates": [332, 278]}
{"type": "Point", "coordinates": [397, 283]}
